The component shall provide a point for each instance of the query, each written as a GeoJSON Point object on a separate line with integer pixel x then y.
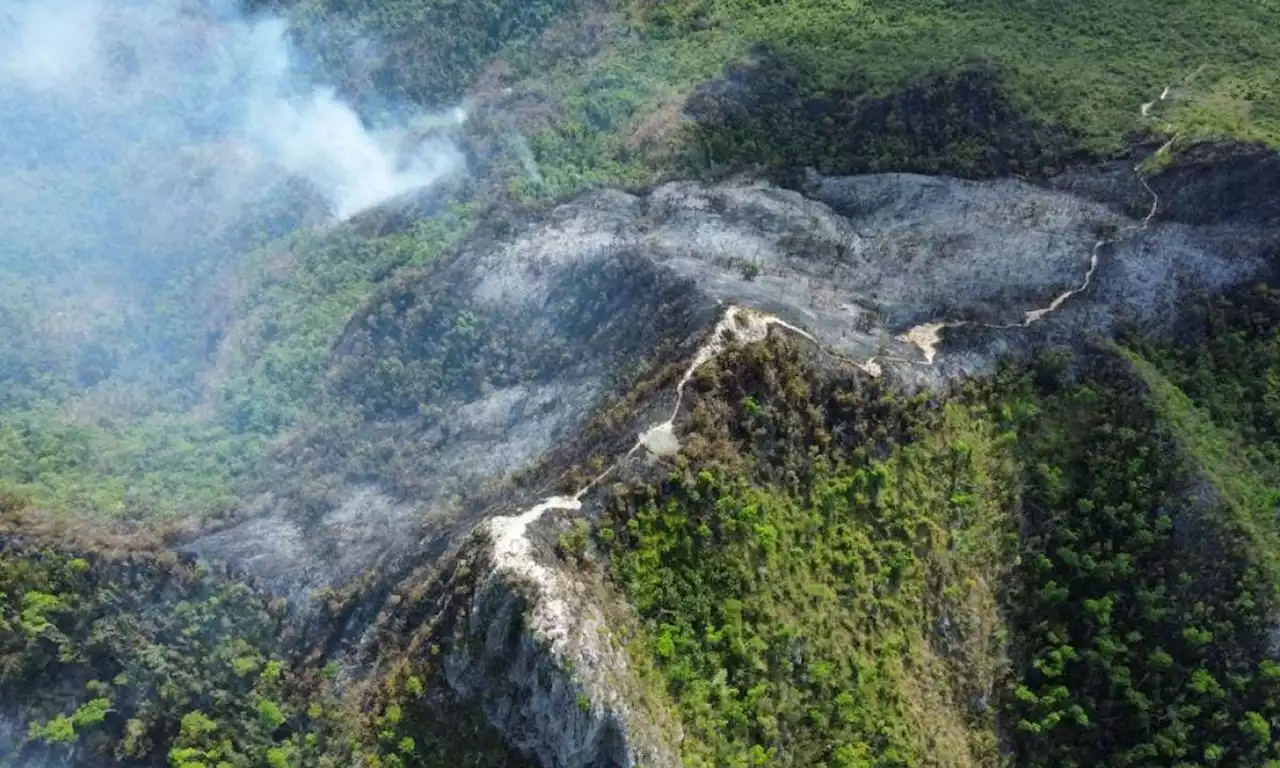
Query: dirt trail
{"type": "Point", "coordinates": [1167, 93]}
{"type": "Point", "coordinates": [1148, 106]}
{"type": "Point", "coordinates": [745, 328]}
{"type": "Point", "coordinates": [575, 632]}
{"type": "Point", "coordinates": [512, 549]}
{"type": "Point", "coordinates": [928, 336]}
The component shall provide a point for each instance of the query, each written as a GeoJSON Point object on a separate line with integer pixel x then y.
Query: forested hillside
{"type": "Point", "coordinates": [244, 301]}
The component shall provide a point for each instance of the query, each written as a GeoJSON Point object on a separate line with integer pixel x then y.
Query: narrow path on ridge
{"type": "Point", "coordinates": [512, 549]}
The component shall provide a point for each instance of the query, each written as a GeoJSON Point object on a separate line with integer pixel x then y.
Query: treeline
{"type": "Point", "coordinates": [776, 111]}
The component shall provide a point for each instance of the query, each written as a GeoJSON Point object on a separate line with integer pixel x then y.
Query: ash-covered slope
{"type": "Point", "coordinates": [480, 368]}
{"type": "Point", "coordinates": [507, 382]}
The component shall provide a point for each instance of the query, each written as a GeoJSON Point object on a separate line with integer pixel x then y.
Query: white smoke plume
{"type": "Point", "coordinates": [129, 86]}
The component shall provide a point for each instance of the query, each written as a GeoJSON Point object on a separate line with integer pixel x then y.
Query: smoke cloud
{"type": "Point", "coordinates": [113, 111]}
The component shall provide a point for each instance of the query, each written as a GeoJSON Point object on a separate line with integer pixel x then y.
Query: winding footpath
{"type": "Point", "coordinates": [927, 337]}
{"type": "Point", "coordinates": [512, 551]}
{"type": "Point", "coordinates": [575, 632]}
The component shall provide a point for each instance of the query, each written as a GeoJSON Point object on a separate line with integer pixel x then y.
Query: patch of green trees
{"type": "Point", "coordinates": [800, 566]}
{"type": "Point", "coordinates": [139, 658]}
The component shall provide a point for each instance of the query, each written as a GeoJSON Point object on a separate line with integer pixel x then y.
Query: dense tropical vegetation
{"type": "Point", "coordinates": [819, 585]}
{"type": "Point", "coordinates": [138, 658]}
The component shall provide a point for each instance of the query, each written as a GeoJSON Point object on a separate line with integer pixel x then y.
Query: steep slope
{"type": "Point", "coordinates": [496, 349]}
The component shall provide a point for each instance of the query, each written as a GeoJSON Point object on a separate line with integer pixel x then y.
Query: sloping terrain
{"type": "Point", "coordinates": [544, 357]}
{"type": "Point", "coordinates": [805, 385]}
{"type": "Point", "coordinates": [506, 348]}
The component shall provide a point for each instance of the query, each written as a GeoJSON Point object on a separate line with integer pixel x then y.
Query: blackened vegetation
{"type": "Point", "coordinates": [775, 112]}
{"type": "Point", "coordinates": [786, 405]}
{"type": "Point", "coordinates": [1226, 183]}
{"type": "Point", "coordinates": [429, 341]}
{"type": "Point", "coordinates": [437, 365]}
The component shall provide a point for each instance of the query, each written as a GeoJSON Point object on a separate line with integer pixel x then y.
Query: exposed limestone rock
{"type": "Point", "coordinates": [549, 670]}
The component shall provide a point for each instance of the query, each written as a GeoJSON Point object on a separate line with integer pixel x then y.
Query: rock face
{"type": "Point", "coordinates": [505, 351]}
{"type": "Point", "coordinates": [563, 693]}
